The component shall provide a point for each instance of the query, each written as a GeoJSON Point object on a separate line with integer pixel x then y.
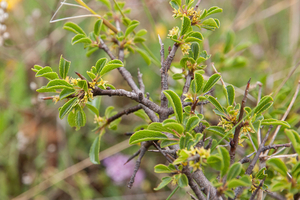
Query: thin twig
{"type": "Point", "coordinates": [169, 159]}
{"type": "Point", "coordinates": [286, 79]}
{"type": "Point", "coordinates": [250, 168]}
{"type": "Point", "coordinates": [235, 141]}
{"type": "Point", "coordinates": [120, 92]}
{"type": "Point", "coordinates": [275, 195]}
{"type": "Point", "coordinates": [192, 184]}
{"type": "Point", "coordinates": [285, 114]}
{"type": "Point", "coordinates": [187, 84]}
{"type": "Point", "coordinates": [257, 189]}
{"type": "Point", "coordinates": [120, 114]}
{"type": "Point", "coordinates": [143, 150]}
{"type": "Point", "coordinates": [140, 81]}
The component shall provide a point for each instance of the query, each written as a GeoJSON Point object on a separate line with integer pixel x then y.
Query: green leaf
{"type": "Point", "coordinates": [174, 126]}
{"type": "Point", "coordinates": [36, 68]}
{"type": "Point", "coordinates": [83, 84]}
{"type": "Point", "coordinates": [160, 168]}
{"type": "Point", "coordinates": [100, 64]}
{"type": "Point", "coordinates": [146, 135]}
{"type": "Point", "coordinates": [107, 3]}
{"type": "Point", "coordinates": [67, 107]}
{"type": "Point", "coordinates": [176, 104]}
{"type": "Point", "coordinates": [66, 92]}
{"type": "Point", "coordinates": [49, 75]}
{"type": "Point", "coordinates": [94, 150]}
{"type": "Point", "coordinates": [185, 26]}
{"type": "Point", "coordinates": [80, 38]}
{"type": "Point", "coordinates": [261, 174]}
{"type": "Point", "coordinates": [91, 74]}
{"type": "Point", "coordinates": [211, 82]}
{"type": "Point", "coordinates": [214, 161]}
{"type": "Point", "coordinates": [45, 89]}
{"type": "Point", "coordinates": [64, 66]}
{"type": "Point", "coordinates": [144, 55]}
{"type": "Point", "coordinates": [226, 160]}
{"type": "Point", "coordinates": [113, 64]}
{"type": "Point", "coordinates": [139, 39]}
{"type": "Point", "coordinates": [234, 171]}
{"type": "Point", "coordinates": [192, 123]}
{"type": "Point", "coordinates": [210, 24]}
{"type": "Point", "coordinates": [263, 104]}
{"type": "Point", "coordinates": [182, 180]}
{"type": "Point", "coordinates": [178, 76]}
{"type": "Point", "coordinates": [80, 118]}
{"type": "Point", "coordinates": [198, 82]}
{"type": "Point", "coordinates": [166, 143]}
{"type": "Point", "coordinates": [275, 122]}
{"type": "Point", "coordinates": [91, 50]}
{"type": "Point", "coordinates": [93, 109]}
{"type": "Point", "coordinates": [213, 10]}
{"type": "Point", "coordinates": [245, 181]}
{"type": "Point", "coordinates": [58, 84]}
{"type": "Point", "coordinates": [278, 165]}
{"type": "Point", "coordinates": [217, 129]}
{"type": "Point", "coordinates": [183, 155]}
{"type": "Point", "coordinates": [230, 94]}
{"type": "Point", "coordinates": [131, 27]}
{"type": "Point", "coordinates": [215, 102]}
{"type": "Point", "coordinates": [43, 71]}
{"type": "Point", "coordinates": [164, 181]}
{"type": "Point", "coordinates": [70, 26]}
{"type": "Point", "coordinates": [294, 138]}
{"type": "Point", "coordinates": [71, 118]}
{"type": "Point", "coordinates": [141, 33]}
{"type": "Point", "coordinates": [97, 27]}
{"type": "Point", "coordinates": [195, 48]}
{"type": "Point", "coordinates": [194, 37]}
{"type": "Point", "coordinates": [174, 4]}
{"type": "Point", "coordinates": [229, 41]}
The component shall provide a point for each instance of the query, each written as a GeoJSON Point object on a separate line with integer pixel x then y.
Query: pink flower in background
{"type": "Point", "coordinates": [121, 173]}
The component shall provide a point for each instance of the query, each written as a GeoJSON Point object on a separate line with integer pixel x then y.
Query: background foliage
{"type": "Point", "coordinates": [257, 39]}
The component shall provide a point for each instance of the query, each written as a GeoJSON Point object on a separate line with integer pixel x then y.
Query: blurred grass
{"type": "Point", "coordinates": [35, 144]}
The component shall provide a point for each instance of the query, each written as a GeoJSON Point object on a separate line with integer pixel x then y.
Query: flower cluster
{"type": "Point", "coordinates": [191, 12]}
{"type": "Point", "coordinates": [185, 47]}
{"type": "Point", "coordinates": [3, 16]}
{"type": "Point", "coordinates": [203, 153]}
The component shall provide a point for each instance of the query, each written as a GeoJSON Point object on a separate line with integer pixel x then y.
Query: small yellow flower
{"type": "Point", "coordinates": [102, 83]}
{"type": "Point", "coordinates": [92, 84]}
{"type": "Point", "coordinates": [55, 99]}
{"type": "Point", "coordinates": [173, 31]}
{"type": "Point", "coordinates": [177, 12]}
{"type": "Point", "coordinates": [98, 119]}
{"type": "Point", "coordinates": [188, 96]}
{"type": "Point", "coordinates": [67, 79]}
{"type": "Point", "coordinates": [185, 47]}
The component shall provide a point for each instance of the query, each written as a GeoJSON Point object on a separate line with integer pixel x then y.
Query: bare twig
{"type": "Point", "coordinates": [204, 183]}
{"type": "Point", "coordinates": [143, 150]}
{"type": "Point", "coordinates": [120, 114]}
{"type": "Point", "coordinates": [285, 114]}
{"type": "Point", "coordinates": [235, 141]}
{"type": "Point", "coordinates": [250, 168]}
{"type": "Point", "coordinates": [168, 157]}
{"type": "Point", "coordinates": [275, 195]}
{"type": "Point", "coordinates": [193, 185]}
{"type": "Point", "coordinates": [275, 146]}
{"type": "Point", "coordinates": [140, 80]}
{"type": "Point", "coordinates": [187, 84]}
{"type": "Point", "coordinates": [258, 99]}
{"type": "Point", "coordinates": [257, 189]}
{"type": "Point", "coordinates": [120, 92]}
{"type": "Point", "coordinates": [286, 79]}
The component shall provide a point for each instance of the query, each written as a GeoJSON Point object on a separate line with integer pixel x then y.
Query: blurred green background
{"type": "Point", "coordinates": [41, 157]}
